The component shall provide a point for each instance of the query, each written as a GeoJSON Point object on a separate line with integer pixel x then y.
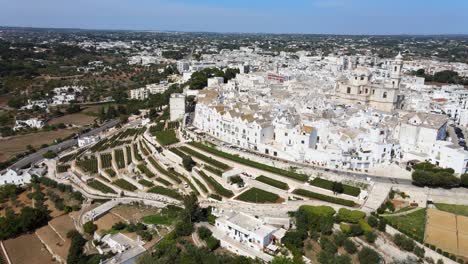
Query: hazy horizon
{"type": "Point", "coordinates": [334, 17]}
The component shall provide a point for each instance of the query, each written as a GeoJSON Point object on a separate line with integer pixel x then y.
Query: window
{"type": "Point", "coordinates": [367, 90]}
{"type": "Point", "coordinates": [362, 78]}
{"type": "Point", "coordinates": [285, 134]}
{"type": "Point", "coordinates": [384, 95]}
{"type": "Point", "coordinates": [302, 141]}
{"type": "Point", "coordinates": [348, 90]}
{"type": "Point", "coordinates": [373, 91]}
{"type": "Point", "coordinates": [396, 68]}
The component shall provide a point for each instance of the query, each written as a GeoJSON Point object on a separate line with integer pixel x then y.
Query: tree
{"type": "Point", "coordinates": [419, 251]}
{"type": "Point", "coordinates": [204, 232]}
{"type": "Point", "coordinates": [282, 260]}
{"type": "Point", "coordinates": [382, 225]}
{"type": "Point", "coordinates": [89, 227]}
{"type": "Point", "coordinates": [368, 256]}
{"type": "Point", "coordinates": [373, 221]}
{"type": "Point", "coordinates": [349, 246]}
{"type": "Point", "coordinates": [188, 162]}
{"type": "Point", "coordinates": [337, 187]}
{"type": "Point", "coordinates": [49, 154]}
{"type": "Point", "coordinates": [370, 237]}
{"type": "Point", "coordinates": [464, 180]}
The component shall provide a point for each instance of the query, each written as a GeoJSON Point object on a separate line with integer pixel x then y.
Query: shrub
{"type": "Point", "coordinates": [89, 227]}
{"type": "Point", "coordinates": [370, 237]}
{"type": "Point", "coordinates": [368, 256]}
{"type": "Point", "coordinates": [464, 180]}
{"type": "Point", "coordinates": [419, 251]}
{"type": "Point", "coordinates": [336, 187]}
{"type": "Point", "coordinates": [365, 226]}
{"type": "Point", "coordinates": [350, 216]}
{"type": "Point", "coordinates": [404, 242]}
{"type": "Point", "coordinates": [204, 232]}
{"type": "Point", "coordinates": [373, 221]}
{"type": "Point", "coordinates": [273, 182]}
{"type": "Point", "coordinates": [339, 239]}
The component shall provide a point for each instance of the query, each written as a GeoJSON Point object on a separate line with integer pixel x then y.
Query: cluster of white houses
{"type": "Point", "coordinates": [362, 122]}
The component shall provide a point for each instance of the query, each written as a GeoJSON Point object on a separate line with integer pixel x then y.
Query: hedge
{"type": "Point", "coordinates": [216, 197]}
{"type": "Point", "coordinates": [327, 184]}
{"type": "Point", "coordinates": [125, 185]}
{"type": "Point", "coordinates": [215, 171]}
{"type": "Point", "coordinates": [163, 181]}
{"type": "Point", "coordinates": [145, 170]}
{"type": "Point", "coordinates": [206, 159]}
{"type": "Point", "coordinates": [255, 195]}
{"type": "Point", "coordinates": [273, 182]}
{"type": "Point", "coordinates": [163, 171]}
{"type": "Point", "coordinates": [322, 197]}
{"type": "Point", "coordinates": [166, 191]}
{"type": "Point", "coordinates": [261, 166]}
{"type": "Point", "coordinates": [217, 187]}
{"type": "Point", "coordinates": [201, 185]}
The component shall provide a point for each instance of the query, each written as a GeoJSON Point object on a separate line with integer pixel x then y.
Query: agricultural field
{"type": "Point", "coordinates": [255, 195]}
{"type": "Point", "coordinates": [323, 197]}
{"type": "Point", "coordinates": [326, 184]}
{"type": "Point", "coordinates": [447, 231]}
{"type": "Point", "coordinates": [163, 181]}
{"type": "Point", "coordinates": [123, 184]}
{"type": "Point", "coordinates": [119, 158]}
{"type": "Point", "coordinates": [100, 187]}
{"type": "Point", "coordinates": [14, 145]}
{"type": "Point", "coordinates": [166, 191]}
{"type": "Point", "coordinates": [77, 119]}
{"type": "Point", "coordinates": [27, 249]}
{"type": "Point", "coordinates": [134, 212]}
{"type": "Point", "coordinates": [158, 167]}
{"type": "Point", "coordinates": [88, 164]}
{"type": "Point", "coordinates": [208, 160]}
{"type": "Point", "coordinates": [146, 183]}
{"type": "Point", "coordinates": [111, 172]}
{"type": "Point", "coordinates": [273, 182]}
{"type": "Point", "coordinates": [137, 154]}
{"type": "Point", "coordinates": [453, 208]}
{"type": "Point", "coordinates": [128, 151]}
{"type": "Point", "coordinates": [106, 160]}
{"type": "Point", "coordinates": [145, 170]}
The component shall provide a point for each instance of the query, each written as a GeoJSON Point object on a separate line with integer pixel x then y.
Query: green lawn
{"type": "Point", "coordinates": [146, 183]}
{"type": "Point", "coordinates": [166, 191]}
{"type": "Point", "coordinates": [157, 219]}
{"type": "Point", "coordinates": [216, 186]}
{"type": "Point", "coordinates": [412, 224]}
{"type": "Point", "coordinates": [326, 184]}
{"type": "Point", "coordinates": [323, 197]}
{"type": "Point", "coordinates": [100, 186]}
{"type": "Point", "coordinates": [255, 195]}
{"type": "Point", "coordinates": [272, 182]}
{"type": "Point", "coordinates": [204, 158]}
{"type": "Point", "coordinates": [453, 208]}
{"type": "Point", "coordinates": [167, 137]}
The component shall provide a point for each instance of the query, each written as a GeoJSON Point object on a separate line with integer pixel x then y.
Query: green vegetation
{"type": "Point", "coordinates": [213, 170]}
{"type": "Point", "coordinates": [124, 185]}
{"type": "Point", "coordinates": [146, 183]}
{"type": "Point", "coordinates": [412, 224]}
{"type": "Point", "coordinates": [111, 172]}
{"type": "Point", "coordinates": [168, 173]}
{"type": "Point", "coordinates": [453, 208]}
{"type": "Point", "coordinates": [95, 184]}
{"type": "Point", "coordinates": [427, 174]}
{"type": "Point", "coordinates": [119, 158]}
{"type": "Point", "coordinates": [199, 79]}
{"type": "Point", "coordinates": [201, 185]}
{"type": "Point", "coordinates": [204, 158]}
{"type": "Point", "coordinates": [136, 153]}
{"type": "Point", "coordinates": [145, 170]}
{"type": "Point", "coordinates": [216, 186]}
{"type": "Point", "coordinates": [255, 195]}
{"type": "Point", "coordinates": [272, 182]}
{"type": "Point", "coordinates": [166, 217]}
{"type": "Point", "coordinates": [62, 168]}
{"type": "Point", "coordinates": [285, 173]}
{"type": "Point", "coordinates": [332, 186]}
{"type": "Point", "coordinates": [89, 227]}
{"type": "Point", "coordinates": [166, 191]}
{"type": "Point", "coordinates": [49, 154]}
{"type": "Point", "coordinates": [106, 160]}
{"type": "Point", "coordinates": [163, 181]}
{"type": "Point", "coordinates": [350, 216]}
{"type": "Point", "coordinates": [167, 137]}
{"type": "Point", "coordinates": [88, 164]}
{"type": "Point", "coordinates": [128, 151]}
{"type": "Point", "coordinates": [325, 198]}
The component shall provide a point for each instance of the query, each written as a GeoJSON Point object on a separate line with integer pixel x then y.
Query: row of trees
{"type": "Point", "coordinates": [199, 79]}
{"type": "Point", "coordinates": [446, 76]}
{"type": "Point", "coordinates": [427, 174]}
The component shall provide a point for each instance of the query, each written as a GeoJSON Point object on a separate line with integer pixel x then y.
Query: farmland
{"type": "Point", "coordinates": [255, 195]}
{"type": "Point", "coordinates": [124, 185]}
{"type": "Point", "coordinates": [272, 182]}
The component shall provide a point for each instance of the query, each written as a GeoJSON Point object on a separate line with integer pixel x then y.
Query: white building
{"type": "Point", "coordinates": [215, 81]}
{"type": "Point", "coordinates": [447, 155]}
{"type": "Point", "coordinates": [85, 141]}
{"type": "Point", "coordinates": [177, 106]}
{"type": "Point", "coordinates": [14, 177]}
{"type": "Point", "coordinates": [246, 229]}
{"type": "Point", "coordinates": [29, 123]}
{"type": "Point", "coordinates": [144, 92]}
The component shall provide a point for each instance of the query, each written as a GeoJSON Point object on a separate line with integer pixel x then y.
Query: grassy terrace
{"type": "Point", "coordinates": [123, 184]}
{"type": "Point", "coordinates": [178, 152]}
{"type": "Point", "coordinates": [100, 186]}
{"type": "Point", "coordinates": [453, 208]}
{"type": "Point", "coordinates": [166, 191]}
{"type": "Point", "coordinates": [204, 158]}
{"type": "Point", "coordinates": [120, 158]}
{"type": "Point", "coordinates": [254, 164]}
{"type": "Point", "coordinates": [146, 183]}
{"type": "Point", "coordinates": [163, 171]}
{"type": "Point", "coordinates": [326, 184]}
{"type": "Point", "coordinates": [143, 149]}
{"type": "Point", "coordinates": [145, 170]}
{"type": "Point", "coordinates": [412, 224]}
{"type": "Point", "coordinates": [167, 137]}
{"type": "Point", "coordinates": [216, 186]}
{"type": "Point", "coordinates": [111, 172]}
{"type": "Point", "coordinates": [213, 170]}
{"type": "Point", "coordinates": [201, 185]}
{"type": "Point", "coordinates": [255, 195]}
{"type": "Point", "coordinates": [273, 182]}
{"type": "Point", "coordinates": [128, 151]}
{"type": "Point", "coordinates": [163, 181]}
{"type": "Point", "coordinates": [324, 198]}
{"type": "Point", "coordinates": [135, 151]}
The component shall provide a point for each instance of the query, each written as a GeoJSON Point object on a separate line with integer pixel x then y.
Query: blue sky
{"type": "Point", "coordinates": [275, 16]}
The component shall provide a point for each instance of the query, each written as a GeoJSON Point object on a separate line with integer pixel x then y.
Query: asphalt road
{"type": "Point", "coordinates": [37, 156]}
